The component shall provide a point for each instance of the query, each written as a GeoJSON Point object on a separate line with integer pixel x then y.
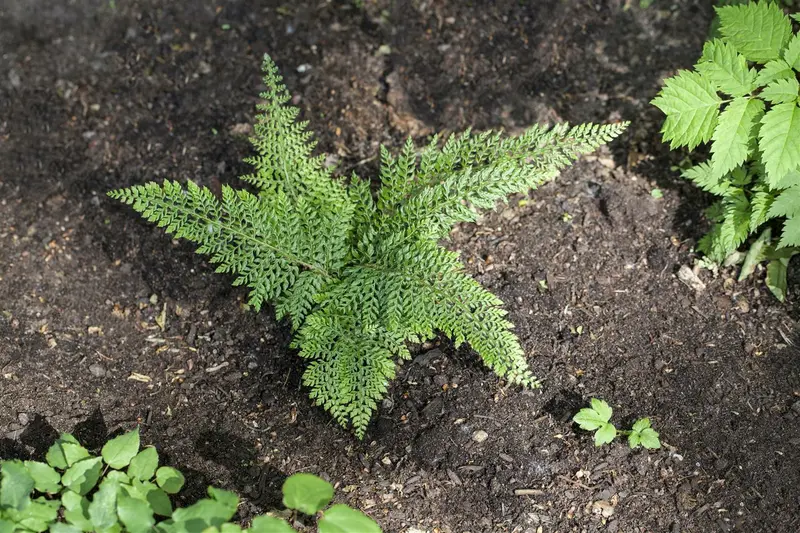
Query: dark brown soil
{"type": "Point", "coordinates": [96, 95]}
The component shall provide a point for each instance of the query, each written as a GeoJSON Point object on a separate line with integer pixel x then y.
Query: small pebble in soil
{"type": "Point", "coordinates": [480, 436]}
{"type": "Point", "coordinates": [97, 370]}
{"type": "Point", "coordinates": [23, 419]}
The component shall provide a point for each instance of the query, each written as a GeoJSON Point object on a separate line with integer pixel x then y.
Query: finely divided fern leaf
{"type": "Point", "coordinates": [360, 274]}
{"type": "Point", "coordinates": [758, 30]}
{"type": "Point", "coordinates": [691, 104]}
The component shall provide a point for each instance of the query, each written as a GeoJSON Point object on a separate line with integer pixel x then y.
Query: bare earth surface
{"type": "Point", "coordinates": [106, 323]}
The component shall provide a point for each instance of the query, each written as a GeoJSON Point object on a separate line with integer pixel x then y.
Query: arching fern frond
{"type": "Point", "coordinates": [360, 274]}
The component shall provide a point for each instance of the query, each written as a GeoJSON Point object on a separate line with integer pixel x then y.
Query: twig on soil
{"type": "Point", "coordinates": [528, 492]}
{"type": "Point", "coordinates": [576, 483]}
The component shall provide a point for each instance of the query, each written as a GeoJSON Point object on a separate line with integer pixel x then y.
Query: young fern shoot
{"type": "Point", "coordinates": [359, 275]}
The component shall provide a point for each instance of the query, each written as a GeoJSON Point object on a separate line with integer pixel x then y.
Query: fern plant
{"type": "Point", "coordinates": [743, 97]}
{"type": "Point", "coordinates": [359, 274]}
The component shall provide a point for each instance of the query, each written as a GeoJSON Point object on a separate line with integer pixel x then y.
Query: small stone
{"type": "Point", "coordinates": [14, 79]}
{"type": "Point", "coordinates": [97, 370]}
{"type": "Point", "coordinates": [480, 436]}
{"type": "Point", "coordinates": [690, 279]}
{"type": "Point", "coordinates": [252, 365]}
{"type": "Point", "coordinates": [23, 419]}
{"type": "Point", "coordinates": [204, 68]}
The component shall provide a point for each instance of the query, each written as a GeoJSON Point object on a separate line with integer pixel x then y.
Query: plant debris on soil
{"type": "Point", "coordinates": [106, 323]}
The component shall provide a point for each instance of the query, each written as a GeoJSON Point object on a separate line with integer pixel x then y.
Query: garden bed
{"type": "Point", "coordinates": [106, 323]}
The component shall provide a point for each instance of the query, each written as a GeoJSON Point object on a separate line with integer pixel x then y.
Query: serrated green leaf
{"type": "Point", "coordinates": [343, 519]}
{"type": "Point", "coordinates": [118, 452]}
{"type": "Point", "coordinates": [270, 524]}
{"type": "Point", "coordinates": [777, 69]}
{"type": "Point", "coordinates": [726, 68]}
{"type": "Point", "coordinates": [755, 254]}
{"type": "Point", "coordinates": [735, 227]}
{"type": "Point", "coordinates": [605, 434]}
{"type": "Point", "coordinates": [649, 439]}
{"type": "Point", "coordinates": [781, 91]}
{"type": "Point", "coordinates": [792, 53]}
{"type": "Point", "coordinates": [786, 203]}
{"type": "Point", "coordinates": [791, 179]}
{"type": "Point", "coordinates": [780, 150]}
{"type": "Point", "coordinates": [691, 104]}
{"type": "Point", "coordinates": [45, 477]}
{"type": "Point", "coordinates": [731, 146]}
{"type": "Point", "coordinates": [135, 514]}
{"type": "Point", "coordinates": [704, 177]}
{"type": "Point", "coordinates": [143, 466]}
{"type": "Point", "coordinates": [170, 479]}
{"type": "Point", "coordinates": [759, 30]}
{"type": "Point", "coordinates": [790, 236]}
{"type": "Point", "coordinates": [759, 209]}
{"type": "Point", "coordinates": [306, 493]}
{"type": "Point", "coordinates": [796, 16]}
{"type": "Point", "coordinates": [82, 476]}
{"type": "Point", "coordinates": [634, 439]}
{"type": "Point", "coordinates": [16, 485]}
{"type": "Point", "coordinates": [641, 424]}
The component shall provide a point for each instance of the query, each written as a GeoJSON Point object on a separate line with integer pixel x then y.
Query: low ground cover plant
{"type": "Point", "coordinates": [125, 489]}
{"type": "Point", "coordinates": [360, 273]}
{"type": "Point", "coordinates": [743, 97]}
{"type": "Point", "coordinates": [597, 418]}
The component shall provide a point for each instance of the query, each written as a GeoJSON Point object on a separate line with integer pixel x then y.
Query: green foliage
{"type": "Point", "coordinates": [102, 496]}
{"type": "Point", "coordinates": [744, 97]}
{"type": "Point", "coordinates": [357, 273]}
{"type": "Point", "coordinates": [597, 418]}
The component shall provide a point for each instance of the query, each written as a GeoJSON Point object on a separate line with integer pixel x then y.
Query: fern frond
{"type": "Point", "coordinates": [462, 179]}
{"type": "Point", "coordinates": [360, 274]}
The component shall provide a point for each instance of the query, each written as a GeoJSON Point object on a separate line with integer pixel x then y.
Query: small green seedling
{"type": "Point", "coordinates": [124, 489]}
{"type": "Point", "coordinates": [596, 418]}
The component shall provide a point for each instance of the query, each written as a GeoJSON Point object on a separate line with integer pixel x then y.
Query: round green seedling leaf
{"type": "Point", "coordinates": [270, 524]}
{"type": "Point", "coordinates": [307, 493]}
{"type": "Point", "coordinates": [118, 452]}
{"type": "Point", "coordinates": [76, 510]}
{"type": "Point", "coordinates": [136, 515]}
{"type": "Point", "coordinates": [45, 477]}
{"type": "Point", "coordinates": [83, 475]}
{"type": "Point", "coordinates": [230, 528]}
{"type": "Point", "coordinates": [158, 499]}
{"type": "Point", "coordinates": [143, 466]}
{"type": "Point", "coordinates": [343, 519]}
{"type": "Point", "coordinates": [170, 479]}
{"type": "Point", "coordinates": [16, 485]}
{"type": "Point", "coordinates": [36, 516]}
{"type": "Point", "coordinates": [59, 527]}
{"type": "Point", "coordinates": [227, 498]}
{"type": "Point", "coordinates": [103, 509]}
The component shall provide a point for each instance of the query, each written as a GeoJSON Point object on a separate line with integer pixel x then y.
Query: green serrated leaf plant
{"type": "Point", "coordinates": [360, 274]}
{"type": "Point", "coordinates": [597, 418]}
{"type": "Point", "coordinates": [124, 489]}
{"type": "Point", "coordinates": [743, 96]}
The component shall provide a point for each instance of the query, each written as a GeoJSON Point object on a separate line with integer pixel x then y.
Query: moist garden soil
{"type": "Point", "coordinates": [107, 323]}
